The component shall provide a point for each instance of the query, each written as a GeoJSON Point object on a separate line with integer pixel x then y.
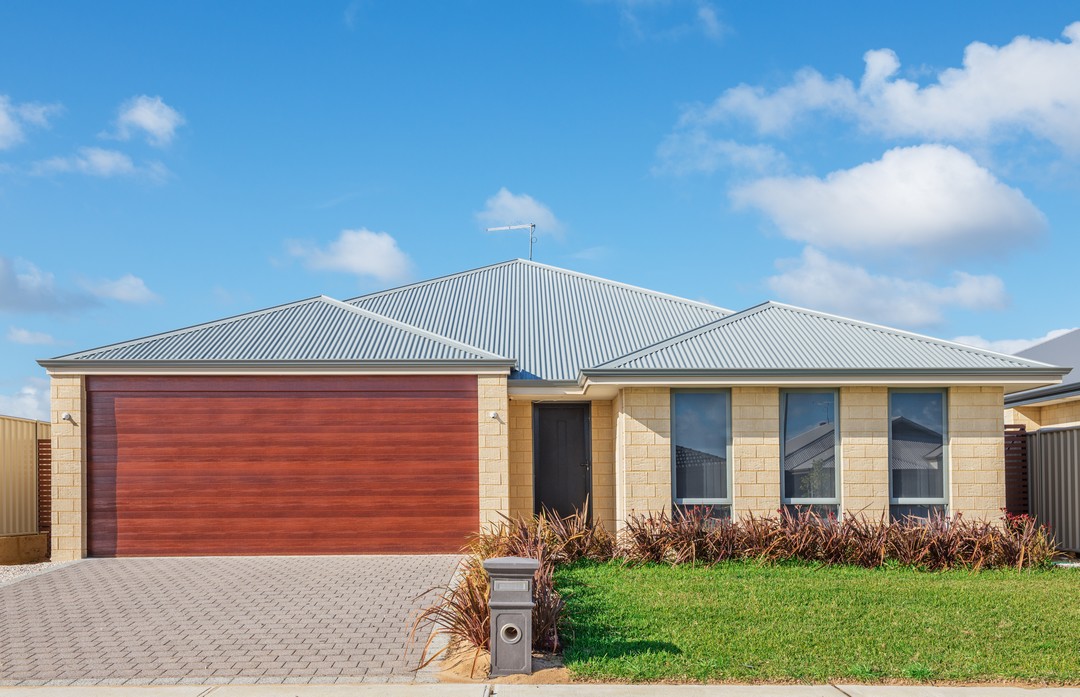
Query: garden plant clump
{"type": "Point", "coordinates": [692, 537]}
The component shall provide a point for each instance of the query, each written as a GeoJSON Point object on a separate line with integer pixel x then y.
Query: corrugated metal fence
{"type": "Point", "coordinates": [1054, 482]}
{"type": "Point", "coordinates": [19, 474]}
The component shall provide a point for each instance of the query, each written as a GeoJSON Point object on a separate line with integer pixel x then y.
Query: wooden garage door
{"type": "Point", "coordinates": [281, 465]}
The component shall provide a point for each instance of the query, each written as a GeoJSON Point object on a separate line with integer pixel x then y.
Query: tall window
{"type": "Point", "coordinates": [810, 476]}
{"type": "Point", "coordinates": [918, 457]}
{"type": "Point", "coordinates": [701, 450]}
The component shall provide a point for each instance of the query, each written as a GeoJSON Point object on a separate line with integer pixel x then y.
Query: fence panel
{"type": "Point", "coordinates": [19, 474]}
{"type": "Point", "coordinates": [1054, 482]}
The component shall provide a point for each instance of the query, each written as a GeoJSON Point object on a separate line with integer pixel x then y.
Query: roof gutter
{"type": "Point", "coordinates": [139, 367]}
{"type": "Point", "coordinates": [1044, 394]}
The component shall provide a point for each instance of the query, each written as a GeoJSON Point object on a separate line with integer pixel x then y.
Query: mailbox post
{"type": "Point", "coordinates": [511, 583]}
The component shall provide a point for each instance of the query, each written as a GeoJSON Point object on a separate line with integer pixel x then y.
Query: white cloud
{"type": "Point", "coordinates": [31, 401]}
{"type": "Point", "coordinates": [127, 289]}
{"type": "Point", "coordinates": [507, 208]}
{"type": "Point", "coordinates": [26, 288]}
{"type": "Point", "coordinates": [1029, 84]}
{"type": "Point", "coordinates": [14, 118]}
{"type": "Point", "coordinates": [695, 151]}
{"type": "Point", "coordinates": [150, 115]}
{"type": "Point", "coordinates": [361, 252]}
{"type": "Point", "coordinates": [666, 20]}
{"type": "Point", "coordinates": [99, 162]}
{"type": "Point", "coordinates": [930, 198]}
{"type": "Point", "coordinates": [818, 282]}
{"type": "Point", "coordinates": [25, 336]}
{"type": "Point", "coordinates": [1010, 346]}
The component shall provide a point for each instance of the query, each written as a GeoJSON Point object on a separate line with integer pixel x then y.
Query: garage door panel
{"type": "Point", "coordinates": [281, 465]}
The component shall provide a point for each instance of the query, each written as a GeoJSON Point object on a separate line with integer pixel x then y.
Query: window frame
{"type": "Point", "coordinates": [728, 501]}
{"type": "Point", "coordinates": [946, 462]}
{"type": "Point", "coordinates": [837, 459]}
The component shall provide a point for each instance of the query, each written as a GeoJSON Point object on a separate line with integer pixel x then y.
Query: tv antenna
{"type": "Point", "coordinates": [531, 227]}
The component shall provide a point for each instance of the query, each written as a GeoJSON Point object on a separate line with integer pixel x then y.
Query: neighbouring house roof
{"type": "Point", "coordinates": [778, 337]}
{"type": "Point", "coordinates": [801, 451]}
{"type": "Point", "coordinates": [1062, 350]}
{"type": "Point", "coordinates": [553, 321]}
{"type": "Point", "coordinates": [316, 329]}
{"type": "Point", "coordinates": [914, 446]}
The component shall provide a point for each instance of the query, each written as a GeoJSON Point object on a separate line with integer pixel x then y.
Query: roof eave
{"type": "Point", "coordinates": [113, 367]}
{"type": "Point", "coordinates": [1045, 394]}
{"type": "Point", "coordinates": [1021, 378]}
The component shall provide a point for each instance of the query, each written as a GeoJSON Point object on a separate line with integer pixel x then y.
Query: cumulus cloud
{"type": "Point", "coordinates": [100, 162]}
{"type": "Point", "coordinates": [150, 116]}
{"type": "Point", "coordinates": [361, 252]}
{"type": "Point", "coordinates": [26, 288]}
{"type": "Point", "coordinates": [1011, 346]}
{"type": "Point", "coordinates": [15, 118]}
{"type": "Point", "coordinates": [1026, 85]}
{"type": "Point", "coordinates": [127, 289]}
{"type": "Point", "coordinates": [696, 152]}
{"type": "Point", "coordinates": [816, 281]}
{"type": "Point", "coordinates": [930, 198]}
{"type": "Point", "coordinates": [507, 208]}
{"type": "Point", "coordinates": [18, 335]}
{"type": "Point", "coordinates": [31, 401]}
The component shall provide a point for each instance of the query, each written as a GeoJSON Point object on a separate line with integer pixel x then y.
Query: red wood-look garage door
{"type": "Point", "coordinates": [281, 464]}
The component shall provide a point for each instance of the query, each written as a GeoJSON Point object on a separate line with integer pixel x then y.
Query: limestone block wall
{"type": "Point", "coordinates": [521, 459]}
{"type": "Point", "coordinates": [755, 451]}
{"type": "Point", "coordinates": [494, 451]}
{"type": "Point", "coordinates": [1029, 416]}
{"type": "Point", "coordinates": [603, 465]}
{"type": "Point", "coordinates": [864, 451]}
{"type": "Point", "coordinates": [977, 451]}
{"type": "Point", "coordinates": [68, 395]}
{"type": "Point", "coordinates": [643, 451]}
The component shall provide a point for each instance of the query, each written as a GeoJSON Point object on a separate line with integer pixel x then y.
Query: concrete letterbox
{"type": "Point", "coordinates": [511, 582]}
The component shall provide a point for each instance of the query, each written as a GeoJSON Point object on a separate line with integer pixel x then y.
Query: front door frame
{"type": "Point", "coordinates": [586, 408]}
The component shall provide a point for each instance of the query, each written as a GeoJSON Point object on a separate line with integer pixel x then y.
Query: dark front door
{"type": "Point", "coordinates": [562, 456]}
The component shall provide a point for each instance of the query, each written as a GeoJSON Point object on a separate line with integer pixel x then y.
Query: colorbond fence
{"type": "Point", "coordinates": [1054, 482]}
{"type": "Point", "coordinates": [19, 483]}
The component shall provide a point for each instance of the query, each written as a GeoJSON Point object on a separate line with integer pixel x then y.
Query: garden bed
{"type": "Point", "coordinates": [742, 621]}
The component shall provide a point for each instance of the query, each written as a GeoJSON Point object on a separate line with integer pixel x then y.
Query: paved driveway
{"type": "Point", "coordinates": [217, 620]}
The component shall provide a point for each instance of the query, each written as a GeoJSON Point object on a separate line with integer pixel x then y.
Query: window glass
{"type": "Point", "coordinates": [917, 452]}
{"type": "Point", "coordinates": [701, 425]}
{"type": "Point", "coordinates": [809, 441]}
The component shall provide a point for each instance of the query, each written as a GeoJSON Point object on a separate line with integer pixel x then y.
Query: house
{"type": "Point", "coordinates": [1052, 405]}
{"type": "Point", "coordinates": [402, 420]}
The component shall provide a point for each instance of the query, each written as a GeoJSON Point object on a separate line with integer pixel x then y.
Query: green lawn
{"type": "Point", "coordinates": [744, 622]}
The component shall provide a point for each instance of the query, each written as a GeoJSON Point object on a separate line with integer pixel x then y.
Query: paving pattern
{"type": "Point", "coordinates": [218, 620]}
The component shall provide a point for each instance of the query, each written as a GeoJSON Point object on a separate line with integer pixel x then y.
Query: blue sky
{"type": "Point", "coordinates": [161, 165]}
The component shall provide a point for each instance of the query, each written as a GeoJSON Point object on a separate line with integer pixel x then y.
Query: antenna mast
{"type": "Point", "coordinates": [531, 227]}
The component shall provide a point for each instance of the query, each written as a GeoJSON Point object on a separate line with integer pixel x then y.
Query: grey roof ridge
{"type": "Point", "coordinates": [486, 355]}
{"type": "Point", "coordinates": [183, 330]}
{"type": "Point", "coordinates": [549, 267]}
{"type": "Point", "coordinates": [761, 307]}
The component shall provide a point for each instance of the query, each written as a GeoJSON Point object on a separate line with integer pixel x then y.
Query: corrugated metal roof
{"type": "Point", "coordinates": [553, 321]}
{"type": "Point", "coordinates": [1062, 350]}
{"type": "Point", "coordinates": [774, 336]}
{"type": "Point", "coordinates": [317, 329]}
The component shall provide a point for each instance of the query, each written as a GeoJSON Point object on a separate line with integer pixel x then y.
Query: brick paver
{"type": "Point", "coordinates": [212, 620]}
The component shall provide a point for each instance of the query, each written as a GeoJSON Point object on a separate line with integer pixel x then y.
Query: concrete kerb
{"type": "Point", "coordinates": [569, 690]}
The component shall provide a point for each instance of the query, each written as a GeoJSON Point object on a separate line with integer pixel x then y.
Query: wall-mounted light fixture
{"type": "Point", "coordinates": [68, 417]}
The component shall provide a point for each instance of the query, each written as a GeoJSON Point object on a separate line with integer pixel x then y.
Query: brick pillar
{"type": "Point", "coordinates": [491, 396]}
{"type": "Point", "coordinates": [521, 459]}
{"type": "Point", "coordinates": [643, 451]}
{"type": "Point", "coordinates": [68, 395]}
{"type": "Point", "coordinates": [603, 465]}
{"type": "Point", "coordinates": [977, 452]}
{"type": "Point", "coordinates": [755, 451]}
{"type": "Point", "coordinates": [864, 451]}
